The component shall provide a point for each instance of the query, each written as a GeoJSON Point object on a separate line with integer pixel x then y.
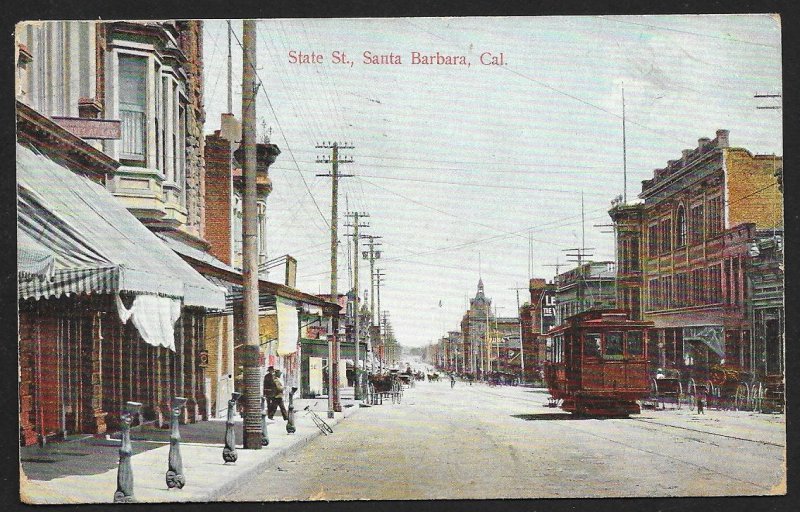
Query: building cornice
{"type": "Point", "coordinates": [36, 129]}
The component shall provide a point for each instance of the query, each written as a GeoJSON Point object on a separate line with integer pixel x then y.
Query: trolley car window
{"type": "Point", "coordinates": [635, 343]}
{"type": "Point", "coordinates": [591, 345]}
{"type": "Point", "coordinates": [613, 348]}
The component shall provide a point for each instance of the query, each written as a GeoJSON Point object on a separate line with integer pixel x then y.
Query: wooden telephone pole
{"type": "Point", "coordinates": [252, 374]}
{"type": "Point", "coordinates": [334, 403]}
{"type": "Point", "coordinates": [356, 216]}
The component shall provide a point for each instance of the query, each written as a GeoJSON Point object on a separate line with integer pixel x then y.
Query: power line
{"type": "Point", "coordinates": [283, 134]}
{"type": "Point", "coordinates": [730, 39]}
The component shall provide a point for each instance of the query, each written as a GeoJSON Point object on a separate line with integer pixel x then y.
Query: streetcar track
{"type": "Point", "coordinates": [656, 453]}
{"type": "Point", "coordinates": [648, 420]}
{"type": "Point", "coordinates": [655, 422]}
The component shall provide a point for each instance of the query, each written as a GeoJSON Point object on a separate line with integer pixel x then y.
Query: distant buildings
{"type": "Point", "coordinates": [589, 286]}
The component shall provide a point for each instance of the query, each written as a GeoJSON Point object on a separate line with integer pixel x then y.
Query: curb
{"type": "Point", "coordinates": [227, 487]}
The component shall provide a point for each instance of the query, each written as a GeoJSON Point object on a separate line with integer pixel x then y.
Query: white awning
{"type": "Point", "coordinates": [97, 245]}
{"type": "Point", "coordinates": [288, 327]}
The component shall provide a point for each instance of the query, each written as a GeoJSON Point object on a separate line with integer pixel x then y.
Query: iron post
{"type": "Point", "coordinates": [229, 452]}
{"type": "Point", "coordinates": [290, 428]}
{"type": "Point", "coordinates": [124, 493]}
{"type": "Point", "coordinates": [264, 435]}
{"type": "Point", "coordinates": [175, 476]}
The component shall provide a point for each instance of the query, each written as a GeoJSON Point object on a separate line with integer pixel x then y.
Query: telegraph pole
{"type": "Point", "coordinates": [379, 279]}
{"type": "Point", "coordinates": [334, 404]}
{"type": "Point", "coordinates": [521, 345]}
{"type": "Point", "coordinates": [252, 374]}
{"type": "Point", "coordinates": [372, 255]}
{"type": "Point", "coordinates": [356, 216]}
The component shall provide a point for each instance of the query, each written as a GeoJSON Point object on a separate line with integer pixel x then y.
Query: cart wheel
{"type": "Point", "coordinates": [757, 395]}
{"type": "Point", "coordinates": [679, 396]}
{"type": "Point", "coordinates": [741, 398]}
{"type": "Point", "coordinates": [691, 392]}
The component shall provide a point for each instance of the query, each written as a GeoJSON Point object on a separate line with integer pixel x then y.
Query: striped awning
{"type": "Point", "coordinates": [97, 245]}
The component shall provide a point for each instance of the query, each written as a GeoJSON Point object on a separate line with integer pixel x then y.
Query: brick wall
{"type": "Point", "coordinates": [218, 197]}
{"type": "Point", "coordinates": [753, 193]}
{"type": "Point", "coordinates": [191, 42]}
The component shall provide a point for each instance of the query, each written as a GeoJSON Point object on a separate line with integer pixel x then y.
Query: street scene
{"type": "Point", "coordinates": [400, 259]}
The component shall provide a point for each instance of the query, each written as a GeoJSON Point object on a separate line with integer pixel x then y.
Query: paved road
{"type": "Point", "coordinates": [482, 442]}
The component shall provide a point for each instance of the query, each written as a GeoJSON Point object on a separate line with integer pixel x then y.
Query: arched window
{"type": "Point", "coordinates": [680, 227]}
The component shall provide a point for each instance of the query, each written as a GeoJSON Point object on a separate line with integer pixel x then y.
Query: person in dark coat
{"type": "Point", "coordinates": [273, 390]}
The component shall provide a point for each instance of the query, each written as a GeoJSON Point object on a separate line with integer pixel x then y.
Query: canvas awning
{"type": "Point", "coordinates": [711, 335]}
{"type": "Point", "coordinates": [96, 244]}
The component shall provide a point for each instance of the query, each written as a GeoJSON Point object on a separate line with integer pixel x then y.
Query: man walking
{"type": "Point", "coordinates": [273, 391]}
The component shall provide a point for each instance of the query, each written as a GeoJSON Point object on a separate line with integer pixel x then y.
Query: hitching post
{"type": "Point", "coordinates": [290, 428]}
{"type": "Point", "coordinates": [229, 452]}
{"type": "Point", "coordinates": [264, 435]}
{"type": "Point", "coordinates": [175, 476]}
{"type": "Point", "coordinates": [124, 492]}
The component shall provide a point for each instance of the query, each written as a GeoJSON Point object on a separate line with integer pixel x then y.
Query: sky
{"type": "Point", "coordinates": [458, 166]}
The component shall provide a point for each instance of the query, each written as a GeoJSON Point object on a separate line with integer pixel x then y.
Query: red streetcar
{"type": "Point", "coordinates": [597, 363]}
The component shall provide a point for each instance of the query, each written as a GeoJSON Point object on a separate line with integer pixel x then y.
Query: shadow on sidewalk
{"type": "Point", "coordinates": [89, 455]}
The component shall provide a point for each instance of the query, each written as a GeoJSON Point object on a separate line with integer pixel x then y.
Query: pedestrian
{"type": "Point", "coordinates": [273, 390]}
{"type": "Point", "coordinates": [700, 403]}
{"type": "Point", "coordinates": [452, 380]}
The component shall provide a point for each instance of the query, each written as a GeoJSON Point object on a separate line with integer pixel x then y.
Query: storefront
{"type": "Point", "coordinates": [107, 312]}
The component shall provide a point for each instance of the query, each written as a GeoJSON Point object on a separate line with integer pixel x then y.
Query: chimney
{"type": "Point", "coordinates": [701, 142]}
{"type": "Point", "coordinates": [722, 138]}
{"type": "Point", "coordinates": [685, 154]}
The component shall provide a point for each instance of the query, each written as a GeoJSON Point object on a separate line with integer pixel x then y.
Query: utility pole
{"type": "Point", "coordinates": [372, 255]}
{"type": "Point", "coordinates": [521, 345]}
{"type": "Point", "coordinates": [334, 404]}
{"type": "Point", "coordinates": [230, 71]}
{"type": "Point", "coordinates": [356, 216]}
{"type": "Point", "coordinates": [379, 279]}
{"type": "Point", "coordinates": [624, 154]}
{"type": "Point", "coordinates": [252, 374]}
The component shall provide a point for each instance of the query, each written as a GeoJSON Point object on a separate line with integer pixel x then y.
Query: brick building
{"type": "Point", "coordinates": [538, 316]}
{"type": "Point", "coordinates": [683, 253]}
{"type": "Point", "coordinates": [120, 105]}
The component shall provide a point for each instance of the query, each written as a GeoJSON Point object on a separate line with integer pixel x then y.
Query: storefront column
{"type": "Point", "coordinates": [94, 416]}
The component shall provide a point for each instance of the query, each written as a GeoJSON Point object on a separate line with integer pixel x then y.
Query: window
{"type": "Point", "coordinates": [680, 227]}
{"type": "Point", "coordinates": [666, 293]}
{"type": "Point", "coordinates": [591, 345]}
{"type": "Point", "coordinates": [654, 298]}
{"type": "Point", "coordinates": [681, 298]}
{"type": "Point", "coordinates": [697, 231]}
{"type": "Point", "coordinates": [737, 285]}
{"type": "Point", "coordinates": [613, 348]}
{"type": "Point", "coordinates": [714, 216]}
{"type": "Point", "coordinates": [714, 293]}
{"type": "Point", "coordinates": [652, 240]}
{"type": "Point", "coordinates": [634, 254]}
{"type": "Point", "coordinates": [132, 106]}
{"type": "Point", "coordinates": [728, 288]}
{"type": "Point", "coordinates": [698, 288]}
{"type": "Point", "coordinates": [666, 236]}
{"type": "Point", "coordinates": [635, 344]}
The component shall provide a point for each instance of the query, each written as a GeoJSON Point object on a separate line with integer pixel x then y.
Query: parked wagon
{"type": "Point", "coordinates": [666, 390]}
{"type": "Point", "coordinates": [385, 385]}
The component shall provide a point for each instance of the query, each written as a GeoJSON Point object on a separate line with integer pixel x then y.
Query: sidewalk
{"type": "Point", "coordinates": [85, 470]}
